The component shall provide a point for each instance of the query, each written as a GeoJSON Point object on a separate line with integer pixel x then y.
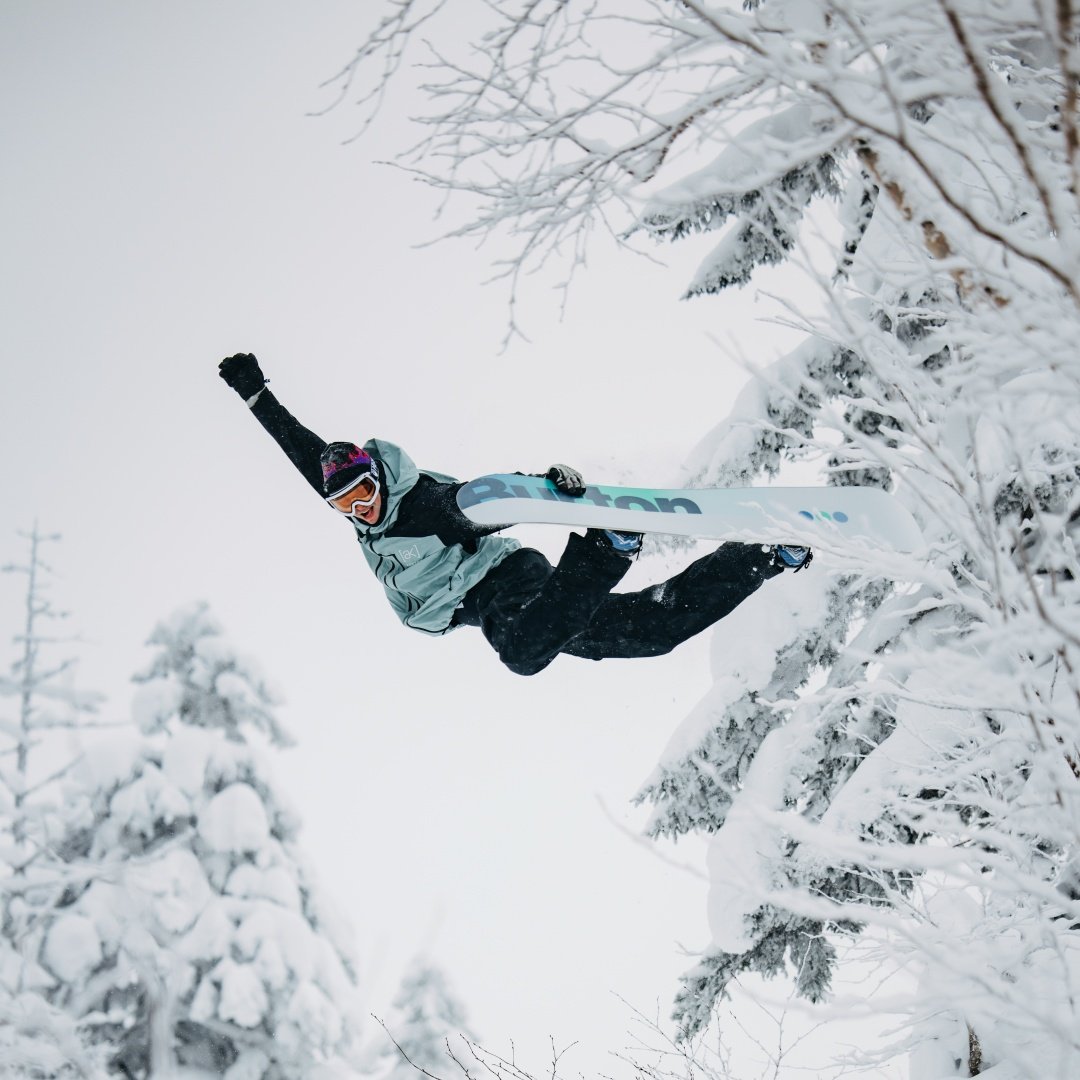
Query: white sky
{"type": "Point", "coordinates": [167, 202]}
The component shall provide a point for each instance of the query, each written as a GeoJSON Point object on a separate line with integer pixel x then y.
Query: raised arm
{"type": "Point", "coordinates": [303, 447]}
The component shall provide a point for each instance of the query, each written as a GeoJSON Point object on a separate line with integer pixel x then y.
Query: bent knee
{"type": "Point", "coordinates": [527, 667]}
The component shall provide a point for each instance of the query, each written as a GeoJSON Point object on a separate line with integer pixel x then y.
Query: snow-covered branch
{"type": "Point", "coordinates": [560, 116]}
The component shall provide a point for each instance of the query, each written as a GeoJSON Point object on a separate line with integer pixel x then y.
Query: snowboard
{"type": "Point", "coordinates": [806, 515]}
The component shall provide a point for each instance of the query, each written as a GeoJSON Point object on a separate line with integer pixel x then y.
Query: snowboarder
{"type": "Point", "coordinates": [441, 571]}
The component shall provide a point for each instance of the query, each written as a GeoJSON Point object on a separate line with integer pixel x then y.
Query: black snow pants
{"type": "Point", "coordinates": [530, 611]}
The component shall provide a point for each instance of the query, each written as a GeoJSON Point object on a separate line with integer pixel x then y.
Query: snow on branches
{"type": "Point", "coordinates": [428, 1029]}
{"type": "Point", "coordinates": [42, 707]}
{"type": "Point", "coordinates": [40, 701]}
{"type": "Point", "coordinates": [209, 930]}
{"type": "Point", "coordinates": [767, 195]}
{"type": "Point", "coordinates": [38, 1040]}
{"type": "Point", "coordinates": [927, 784]}
{"type": "Point", "coordinates": [198, 680]}
{"type": "Point", "coordinates": [562, 115]}
{"type": "Point", "coordinates": [178, 923]}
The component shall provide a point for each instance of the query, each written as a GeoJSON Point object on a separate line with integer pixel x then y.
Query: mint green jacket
{"type": "Point", "coordinates": [425, 580]}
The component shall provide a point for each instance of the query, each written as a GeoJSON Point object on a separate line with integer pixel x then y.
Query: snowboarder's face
{"type": "Point", "coordinates": [362, 500]}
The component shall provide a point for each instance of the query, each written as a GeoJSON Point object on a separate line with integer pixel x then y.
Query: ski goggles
{"type": "Point", "coordinates": [362, 492]}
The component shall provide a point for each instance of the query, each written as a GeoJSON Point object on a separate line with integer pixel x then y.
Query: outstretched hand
{"type": "Point", "coordinates": [566, 479]}
{"type": "Point", "coordinates": [243, 374]}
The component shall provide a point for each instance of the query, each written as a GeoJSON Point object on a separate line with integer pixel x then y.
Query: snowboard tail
{"type": "Point", "coordinates": [771, 515]}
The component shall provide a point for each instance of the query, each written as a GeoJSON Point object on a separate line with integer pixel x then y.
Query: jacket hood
{"type": "Point", "coordinates": [399, 476]}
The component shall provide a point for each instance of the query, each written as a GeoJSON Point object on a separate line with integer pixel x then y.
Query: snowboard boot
{"type": "Point", "coordinates": [792, 557]}
{"type": "Point", "coordinates": [623, 543]}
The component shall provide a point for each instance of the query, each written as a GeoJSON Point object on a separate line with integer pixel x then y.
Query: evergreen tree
{"type": "Point", "coordinates": [42, 707]}
{"type": "Point", "coordinates": [45, 704]}
{"type": "Point", "coordinates": [918, 382]}
{"type": "Point", "coordinates": [427, 1027]}
{"type": "Point", "coordinates": [198, 936]}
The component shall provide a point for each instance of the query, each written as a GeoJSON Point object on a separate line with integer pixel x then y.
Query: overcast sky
{"type": "Point", "coordinates": [167, 200]}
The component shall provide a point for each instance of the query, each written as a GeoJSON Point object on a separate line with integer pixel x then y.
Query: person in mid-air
{"type": "Point", "coordinates": [442, 571]}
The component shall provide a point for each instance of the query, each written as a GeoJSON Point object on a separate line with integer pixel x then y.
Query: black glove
{"type": "Point", "coordinates": [566, 479]}
{"type": "Point", "coordinates": [243, 374]}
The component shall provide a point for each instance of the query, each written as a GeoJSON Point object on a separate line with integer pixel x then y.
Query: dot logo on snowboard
{"type": "Point", "coordinates": [823, 515]}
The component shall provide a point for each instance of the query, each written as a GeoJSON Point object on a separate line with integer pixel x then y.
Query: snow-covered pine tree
{"type": "Point", "coordinates": [41, 706]}
{"type": "Point", "coordinates": [888, 738]}
{"type": "Point", "coordinates": [428, 1024]}
{"type": "Point", "coordinates": [942, 372]}
{"type": "Point", "coordinates": [41, 703]}
{"type": "Point", "coordinates": [197, 935]}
